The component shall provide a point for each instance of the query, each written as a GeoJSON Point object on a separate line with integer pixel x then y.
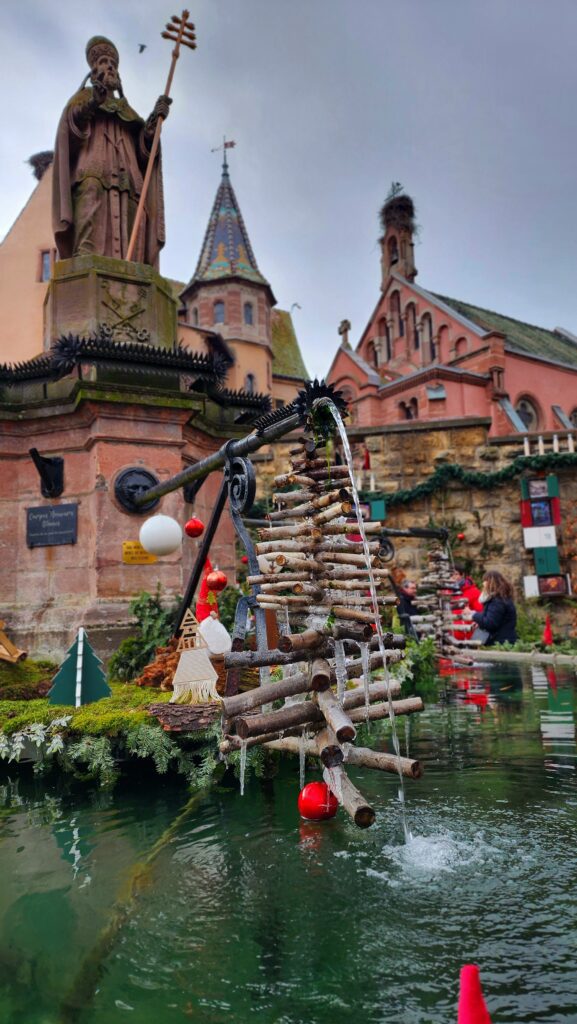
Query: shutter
{"type": "Point", "coordinates": [546, 561]}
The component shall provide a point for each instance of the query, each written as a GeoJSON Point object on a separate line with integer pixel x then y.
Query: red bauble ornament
{"type": "Point", "coordinates": [244, 559]}
{"type": "Point", "coordinates": [460, 536]}
{"type": "Point", "coordinates": [316, 802]}
{"type": "Point", "coordinates": [194, 527]}
{"type": "Point", "coordinates": [216, 580]}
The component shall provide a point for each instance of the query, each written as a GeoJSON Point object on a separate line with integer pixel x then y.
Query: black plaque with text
{"type": "Point", "coordinates": [48, 525]}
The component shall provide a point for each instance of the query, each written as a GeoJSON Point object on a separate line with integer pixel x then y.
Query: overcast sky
{"type": "Point", "coordinates": [471, 104]}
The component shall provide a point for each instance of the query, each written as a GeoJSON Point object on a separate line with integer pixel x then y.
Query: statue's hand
{"type": "Point", "coordinates": [98, 92]}
{"type": "Point", "coordinates": [161, 108]}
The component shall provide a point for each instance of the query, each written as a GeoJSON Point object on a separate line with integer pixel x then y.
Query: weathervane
{"type": "Point", "coordinates": [226, 144]}
{"type": "Point", "coordinates": [181, 32]}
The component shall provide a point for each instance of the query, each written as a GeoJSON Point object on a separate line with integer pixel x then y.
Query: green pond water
{"type": "Point", "coordinates": [251, 914]}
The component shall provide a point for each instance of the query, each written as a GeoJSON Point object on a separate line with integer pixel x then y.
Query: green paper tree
{"type": "Point", "coordinates": [80, 679]}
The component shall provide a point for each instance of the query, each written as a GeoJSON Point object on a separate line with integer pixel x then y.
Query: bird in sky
{"type": "Point", "coordinates": [142, 47]}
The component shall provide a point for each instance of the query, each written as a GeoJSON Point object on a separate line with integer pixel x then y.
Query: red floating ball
{"type": "Point", "coordinates": [316, 802]}
{"type": "Point", "coordinates": [216, 580]}
{"type": "Point", "coordinates": [460, 536]}
{"type": "Point", "coordinates": [194, 527]}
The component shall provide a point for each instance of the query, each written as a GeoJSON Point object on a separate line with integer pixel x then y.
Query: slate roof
{"type": "Point", "coordinates": [226, 250]}
{"type": "Point", "coordinates": [287, 357]}
{"type": "Point", "coordinates": [536, 341]}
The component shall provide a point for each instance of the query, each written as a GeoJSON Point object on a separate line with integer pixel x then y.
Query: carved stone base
{"type": "Point", "coordinates": [131, 301]}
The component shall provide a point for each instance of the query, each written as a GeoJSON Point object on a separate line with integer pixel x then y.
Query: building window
{"type": "Point", "coordinates": [250, 383]}
{"type": "Point", "coordinates": [373, 358]}
{"type": "Point", "coordinates": [460, 346]}
{"type": "Point", "coordinates": [393, 251]}
{"type": "Point", "coordinates": [248, 314]}
{"type": "Point", "coordinates": [45, 264]}
{"type": "Point", "coordinates": [395, 307]}
{"type": "Point", "coordinates": [218, 312]}
{"type": "Point", "coordinates": [412, 331]}
{"type": "Point", "coordinates": [428, 336]}
{"type": "Point", "coordinates": [279, 403]}
{"type": "Point", "coordinates": [573, 417]}
{"type": "Point", "coordinates": [195, 316]}
{"type": "Point", "coordinates": [527, 411]}
{"type": "Point", "coordinates": [409, 410]}
{"type": "Point", "coordinates": [385, 334]}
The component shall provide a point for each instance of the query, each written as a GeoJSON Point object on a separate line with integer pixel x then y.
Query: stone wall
{"type": "Point", "coordinates": [407, 454]}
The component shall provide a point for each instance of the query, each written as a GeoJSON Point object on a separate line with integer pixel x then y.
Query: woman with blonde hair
{"type": "Point", "coordinates": [498, 616]}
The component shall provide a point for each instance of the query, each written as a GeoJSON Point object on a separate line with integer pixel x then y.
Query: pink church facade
{"type": "Point", "coordinates": [427, 357]}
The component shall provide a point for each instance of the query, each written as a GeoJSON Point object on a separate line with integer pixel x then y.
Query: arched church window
{"type": "Point", "coordinates": [373, 358]}
{"type": "Point", "coordinates": [412, 331]}
{"type": "Point", "coordinates": [218, 308]}
{"type": "Point", "coordinates": [385, 334]}
{"type": "Point", "coordinates": [393, 250]}
{"type": "Point", "coordinates": [528, 412]}
{"type": "Point", "coordinates": [460, 346]}
{"type": "Point", "coordinates": [250, 383]}
{"type": "Point", "coordinates": [395, 307]}
{"type": "Point", "coordinates": [248, 314]}
{"type": "Point", "coordinates": [428, 336]}
{"type": "Point", "coordinates": [573, 417]}
{"type": "Point", "coordinates": [195, 316]}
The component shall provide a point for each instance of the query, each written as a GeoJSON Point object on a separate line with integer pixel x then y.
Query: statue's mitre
{"type": "Point", "coordinates": [97, 46]}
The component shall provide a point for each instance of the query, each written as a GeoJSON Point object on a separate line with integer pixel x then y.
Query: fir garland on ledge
{"type": "Point", "coordinates": [473, 478]}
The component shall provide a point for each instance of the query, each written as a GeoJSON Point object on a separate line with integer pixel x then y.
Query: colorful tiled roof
{"type": "Point", "coordinates": [536, 341]}
{"type": "Point", "coordinates": [226, 250]}
{"type": "Point", "coordinates": [287, 358]}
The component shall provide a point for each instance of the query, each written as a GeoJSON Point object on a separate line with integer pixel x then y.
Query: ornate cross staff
{"type": "Point", "coordinates": [181, 32]}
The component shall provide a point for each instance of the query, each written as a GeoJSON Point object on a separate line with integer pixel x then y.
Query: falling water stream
{"type": "Point", "coordinates": [330, 405]}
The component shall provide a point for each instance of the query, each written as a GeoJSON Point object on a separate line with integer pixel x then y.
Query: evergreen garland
{"type": "Point", "coordinates": [473, 478]}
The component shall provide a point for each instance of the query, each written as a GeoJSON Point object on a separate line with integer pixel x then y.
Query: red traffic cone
{"type": "Point", "coordinates": [472, 1008]}
{"type": "Point", "coordinates": [547, 632]}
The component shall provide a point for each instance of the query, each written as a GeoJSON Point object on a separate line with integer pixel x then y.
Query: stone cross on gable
{"type": "Point", "coordinates": [344, 328]}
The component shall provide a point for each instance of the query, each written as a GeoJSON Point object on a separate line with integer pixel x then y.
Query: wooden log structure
{"type": "Point", "coordinates": [360, 757]}
{"type": "Point", "coordinates": [336, 717]}
{"type": "Point", "coordinates": [349, 797]}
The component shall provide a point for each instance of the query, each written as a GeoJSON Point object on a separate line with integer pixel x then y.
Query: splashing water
{"type": "Point", "coordinates": [366, 666]}
{"type": "Point", "coordinates": [330, 405]}
{"type": "Point", "coordinates": [340, 669]}
{"type": "Point", "coordinates": [243, 746]}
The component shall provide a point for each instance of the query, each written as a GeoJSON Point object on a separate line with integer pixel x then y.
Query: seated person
{"type": "Point", "coordinates": [465, 584]}
{"type": "Point", "coordinates": [406, 607]}
{"type": "Point", "coordinates": [498, 616]}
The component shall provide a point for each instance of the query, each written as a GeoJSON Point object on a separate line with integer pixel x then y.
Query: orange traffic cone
{"type": "Point", "coordinates": [472, 1008]}
{"type": "Point", "coordinates": [547, 632]}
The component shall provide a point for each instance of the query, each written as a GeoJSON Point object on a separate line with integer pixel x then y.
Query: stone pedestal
{"type": "Point", "coordinates": [131, 301]}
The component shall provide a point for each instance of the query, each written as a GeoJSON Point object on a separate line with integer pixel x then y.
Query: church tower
{"type": "Point", "coordinates": [228, 294]}
{"type": "Point", "coordinates": [397, 247]}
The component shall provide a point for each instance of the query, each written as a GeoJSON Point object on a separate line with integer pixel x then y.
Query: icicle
{"type": "Point", "coordinates": [302, 758]}
{"type": "Point", "coordinates": [243, 747]}
{"type": "Point", "coordinates": [264, 679]}
{"type": "Point", "coordinates": [340, 669]}
{"type": "Point", "coordinates": [366, 666]}
{"type": "Point", "coordinates": [407, 734]}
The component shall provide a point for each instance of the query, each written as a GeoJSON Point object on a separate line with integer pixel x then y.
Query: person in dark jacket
{"type": "Point", "coordinates": [406, 607]}
{"type": "Point", "coordinates": [499, 615]}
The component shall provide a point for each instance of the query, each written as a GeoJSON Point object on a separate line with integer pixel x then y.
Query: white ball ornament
{"type": "Point", "coordinates": [160, 535]}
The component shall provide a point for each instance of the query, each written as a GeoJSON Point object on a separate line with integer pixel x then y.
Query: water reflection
{"type": "Point", "coordinates": [252, 914]}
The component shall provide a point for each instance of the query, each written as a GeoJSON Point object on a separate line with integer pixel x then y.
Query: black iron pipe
{"type": "Point", "coordinates": [229, 450]}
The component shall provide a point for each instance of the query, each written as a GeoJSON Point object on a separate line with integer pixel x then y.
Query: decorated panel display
{"type": "Point", "coordinates": [540, 515]}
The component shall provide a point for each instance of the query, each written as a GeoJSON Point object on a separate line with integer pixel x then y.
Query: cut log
{"type": "Point", "coordinates": [288, 479]}
{"type": "Point", "coordinates": [257, 659]}
{"type": "Point", "coordinates": [290, 532]}
{"type": "Point", "coordinates": [297, 548]}
{"type": "Point", "coordinates": [336, 717]}
{"type": "Point", "coordinates": [301, 641]}
{"type": "Point", "coordinates": [341, 558]}
{"type": "Point", "coordinates": [335, 528]}
{"type": "Point", "coordinates": [354, 547]}
{"type": "Point", "coordinates": [328, 748]}
{"type": "Point", "coordinates": [349, 796]}
{"type": "Point", "coordinates": [298, 561]}
{"type": "Point", "coordinates": [351, 614]}
{"type": "Point", "coordinates": [340, 508]}
{"type": "Point", "coordinates": [242, 703]}
{"type": "Point", "coordinates": [313, 590]}
{"type": "Point", "coordinates": [363, 757]}
{"type": "Point", "coordinates": [359, 632]}
{"type": "Point", "coordinates": [376, 712]}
